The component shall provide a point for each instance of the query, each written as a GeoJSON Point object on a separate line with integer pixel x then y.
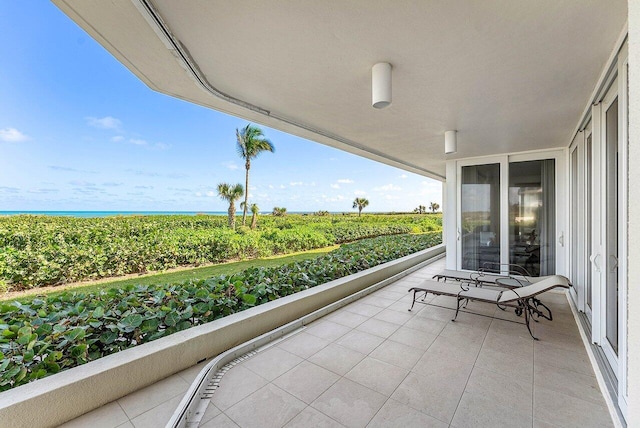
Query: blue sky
{"type": "Point", "coordinates": [78, 131]}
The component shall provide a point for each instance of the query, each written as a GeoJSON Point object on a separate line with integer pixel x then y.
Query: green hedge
{"type": "Point", "coordinates": [47, 335]}
{"type": "Point", "coordinates": [38, 250]}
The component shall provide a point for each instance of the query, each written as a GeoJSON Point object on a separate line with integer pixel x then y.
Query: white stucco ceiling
{"type": "Point", "coordinates": [509, 75]}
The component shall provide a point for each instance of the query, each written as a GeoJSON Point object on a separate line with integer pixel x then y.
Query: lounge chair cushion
{"type": "Point", "coordinates": [528, 291]}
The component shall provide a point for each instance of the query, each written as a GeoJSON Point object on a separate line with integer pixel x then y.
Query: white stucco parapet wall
{"type": "Point", "coordinates": [71, 393]}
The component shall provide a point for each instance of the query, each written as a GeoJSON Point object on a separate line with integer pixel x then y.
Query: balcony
{"type": "Point", "coordinates": [373, 363]}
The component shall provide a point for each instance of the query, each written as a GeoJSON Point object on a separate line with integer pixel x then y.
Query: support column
{"type": "Point", "coordinates": [449, 214]}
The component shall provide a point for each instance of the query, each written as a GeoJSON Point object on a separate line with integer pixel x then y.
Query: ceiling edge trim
{"type": "Point", "coordinates": [153, 17]}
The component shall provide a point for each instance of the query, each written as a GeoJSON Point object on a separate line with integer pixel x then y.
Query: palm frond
{"type": "Point", "coordinates": [251, 142]}
{"type": "Point", "coordinates": [229, 192]}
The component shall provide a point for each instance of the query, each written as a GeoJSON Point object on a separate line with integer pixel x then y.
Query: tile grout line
{"type": "Point", "coordinates": [533, 384]}
{"type": "Point", "coordinates": [123, 411]}
{"type": "Point", "coordinates": [214, 384]}
{"type": "Point", "coordinates": [369, 355]}
{"type": "Point", "coordinates": [339, 376]}
{"type": "Point", "coordinates": [275, 343]}
{"type": "Point", "coordinates": [469, 377]}
{"type": "Point", "coordinates": [407, 375]}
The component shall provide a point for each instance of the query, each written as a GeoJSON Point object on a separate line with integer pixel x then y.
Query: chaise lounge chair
{"type": "Point", "coordinates": [516, 277]}
{"type": "Point", "coordinates": [523, 299]}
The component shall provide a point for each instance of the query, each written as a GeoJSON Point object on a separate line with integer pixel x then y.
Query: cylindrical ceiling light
{"type": "Point", "coordinates": [381, 85]}
{"type": "Point", "coordinates": [450, 142]}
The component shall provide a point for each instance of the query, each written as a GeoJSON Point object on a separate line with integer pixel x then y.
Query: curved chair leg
{"type": "Point", "coordinates": [527, 316]}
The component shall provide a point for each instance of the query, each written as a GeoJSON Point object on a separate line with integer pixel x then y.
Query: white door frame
{"type": "Point", "coordinates": [561, 214]}
{"type": "Point", "coordinates": [503, 201]}
{"type": "Point", "coordinates": [597, 221]}
{"type": "Point", "coordinates": [607, 101]}
{"type": "Point", "coordinates": [588, 188]}
{"type": "Point", "coordinates": [577, 210]}
{"type": "Point", "coordinates": [623, 191]}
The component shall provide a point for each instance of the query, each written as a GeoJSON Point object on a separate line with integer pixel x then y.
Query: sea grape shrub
{"type": "Point", "coordinates": [37, 251]}
{"type": "Point", "coordinates": [47, 335]}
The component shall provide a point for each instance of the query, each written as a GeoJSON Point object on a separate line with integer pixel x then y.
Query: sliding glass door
{"type": "Point", "coordinates": [480, 225]}
{"type": "Point", "coordinates": [610, 295]}
{"type": "Point", "coordinates": [532, 216]}
{"type": "Point", "coordinates": [588, 284]}
{"type": "Point", "coordinates": [581, 221]}
{"type": "Point", "coordinates": [508, 215]}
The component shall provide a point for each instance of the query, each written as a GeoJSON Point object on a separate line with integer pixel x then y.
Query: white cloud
{"type": "Point", "coordinates": [81, 183]}
{"type": "Point", "coordinates": [360, 193]}
{"type": "Point", "coordinates": [345, 181]}
{"type": "Point", "coordinates": [282, 186]}
{"type": "Point", "coordinates": [198, 194]}
{"type": "Point", "coordinates": [43, 191]}
{"type": "Point", "coordinates": [67, 169]}
{"type": "Point", "coordinates": [157, 174]}
{"type": "Point", "coordinates": [12, 135]}
{"type": "Point", "coordinates": [386, 188]}
{"type": "Point", "coordinates": [403, 176]}
{"type": "Point", "coordinates": [106, 122]}
{"type": "Point", "coordinates": [138, 142]}
{"type": "Point", "coordinates": [335, 186]}
{"type": "Point", "coordinates": [117, 138]}
{"type": "Point", "coordinates": [231, 165]}
{"type": "Point", "coordinates": [5, 189]}
{"type": "Point", "coordinates": [336, 198]}
{"type": "Point", "coordinates": [270, 186]}
{"type": "Point", "coordinates": [211, 193]}
{"type": "Point", "coordinates": [301, 183]}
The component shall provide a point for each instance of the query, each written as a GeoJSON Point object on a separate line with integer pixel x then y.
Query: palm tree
{"type": "Point", "coordinates": [251, 142]}
{"type": "Point", "coordinates": [360, 203]}
{"type": "Point", "coordinates": [279, 211]}
{"type": "Point", "coordinates": [231, 194]}
{"type": "Point", "coordinates": [255, 210]}
{"type": "Point", "coordinates": [433, 206]}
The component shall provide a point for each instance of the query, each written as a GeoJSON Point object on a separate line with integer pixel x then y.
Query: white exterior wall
{"type": "Point", "coordinates": [633, 302]}
{"type": "Point", "coordinates": [450, 215]}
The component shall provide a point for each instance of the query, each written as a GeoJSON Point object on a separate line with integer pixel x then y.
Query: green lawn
{"type": "Point", "coordinates": [186, 274]}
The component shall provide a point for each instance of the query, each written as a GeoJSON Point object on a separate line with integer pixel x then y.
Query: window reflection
{"type": "Point", "coordinates": [480, 206]}
{"type": "Point", "coordinates": [532, 216]}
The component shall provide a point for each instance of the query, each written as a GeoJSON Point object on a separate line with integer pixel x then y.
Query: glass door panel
{"type": "Point", "coordinates": [480, 217]}
{"type": "Point", "coordinates": [589, 222]}
{"type": "Point", "coordinates": [532, 216]}
{"type": "Point", "coordinates": [612, 226]}
{"type": "Point", "coordinates": [574, 215]}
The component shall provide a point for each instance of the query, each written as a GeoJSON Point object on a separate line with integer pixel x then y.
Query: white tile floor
{"type": "Point", "coordinates": [374, 364]}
